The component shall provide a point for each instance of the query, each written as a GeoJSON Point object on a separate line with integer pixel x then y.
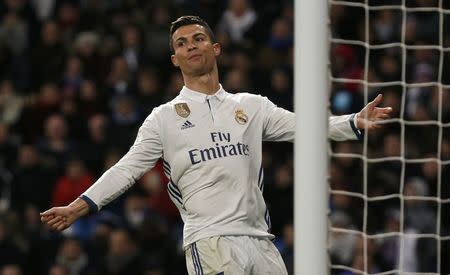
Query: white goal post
{"type": "Point", "coordinates": [311, 97]}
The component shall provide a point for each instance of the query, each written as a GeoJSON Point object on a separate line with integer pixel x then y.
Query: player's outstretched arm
{"type": "Point", "coordinates": [370, 116]}
{"type": "Point", "coordinates": [60, 218]}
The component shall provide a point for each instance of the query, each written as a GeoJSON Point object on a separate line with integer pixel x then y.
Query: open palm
{"type": "Point", "coordinates": [370, 116]}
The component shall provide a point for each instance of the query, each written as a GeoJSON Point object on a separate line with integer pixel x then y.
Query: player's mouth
{"type": "Point", "coordinates": [195, 57]}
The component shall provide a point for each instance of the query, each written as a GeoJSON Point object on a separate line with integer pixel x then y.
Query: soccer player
{"type": "Point", "coordinates": [211, 142]}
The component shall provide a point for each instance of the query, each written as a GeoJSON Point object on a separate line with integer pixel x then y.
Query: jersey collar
{"type": "Point", "coordinates": [201, 97]}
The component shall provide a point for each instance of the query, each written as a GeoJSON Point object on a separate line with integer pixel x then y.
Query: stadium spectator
{"type": "Point", "coordinates": [133, 51]}
{"type": "Point", "coordinates": [281, 88]}
{"type": "Point", "coordinates": [33, 181]}
{"type": "Point", "coordinates": [119, 80]}
{"type": "Point", "coordinates": [38, 109]}
{"type": "Point", "coordinates": [156, 39]}
{"type": "Point", "coordinates": [125, 118]}
{"type": "Point", "coordinates": [287, 252]}
{"type": "Point", "coordinates": [91, 100]}
{"type": "Point", "coordinates": [48, 57]}
{"type": "Point", "coordinates": [11, 269]}
{"type": "Point", "coordinates": [55, 147]}
{"type": "Point", "coordinates": [75, 181]}
{"type": "Point", "coordinates": [58, 269]}
{"type": "Point", "coordinates": [148, 89]}
{"type": "Point", "coordinates": [10, 251]}
{"type": "Point", "coordinates": [72, 77]}
{"type": "Point", "coordinates": [96, 144]}
{"type": "Point", "coordinates": [11, 103]}
{"type": "Point", "coordinates": [123, 255]}
{"type": "Point", "coordinates": [281, 37]}
{"type": "Point", "coordinates": [86, 48]}
{"type": "Point", "coordinates": [341, 244]}
{"type": "Point", "coordinates": [72, 256]}
{"type": "Point", "coordinates": [8, 148]}
{"type": "Point", "coordinates": [236, 20]}
{"type": "Point", "coordinates": [154, 185]}
{"type": "Point", "coordinates": [280, 209]}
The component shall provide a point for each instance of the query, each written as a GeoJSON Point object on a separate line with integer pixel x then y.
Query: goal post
{"type": "Point", "coordinates": [311, 97]}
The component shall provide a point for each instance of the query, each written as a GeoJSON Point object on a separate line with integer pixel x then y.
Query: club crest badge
{"type": "Point", "coordinates": [240, 116]}
{"type": "Point", "coordinates": [182, 110]}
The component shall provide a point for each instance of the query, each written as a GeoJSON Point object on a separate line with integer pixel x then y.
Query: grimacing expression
{"type": "Point", "coordinates": [194, 52]}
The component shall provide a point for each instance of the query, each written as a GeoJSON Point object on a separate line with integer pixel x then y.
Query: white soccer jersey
{"type": "Point", "coordinates": [211, 146]}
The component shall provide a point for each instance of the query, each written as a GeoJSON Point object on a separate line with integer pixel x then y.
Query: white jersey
{"type": "Point", "coordinates": [211, 146]}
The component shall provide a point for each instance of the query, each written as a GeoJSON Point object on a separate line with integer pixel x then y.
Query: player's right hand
{"type": "Point", "coordinates": [59, 218]}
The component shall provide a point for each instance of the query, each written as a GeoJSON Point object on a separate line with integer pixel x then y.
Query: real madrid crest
{"type": "Point", "coordinates": [182, 109]}
{"type": "Point", "coordinates": [240, 116]}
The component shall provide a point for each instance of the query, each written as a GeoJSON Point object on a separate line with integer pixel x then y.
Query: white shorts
{"type": "Point", "coordinates": [234, 255]}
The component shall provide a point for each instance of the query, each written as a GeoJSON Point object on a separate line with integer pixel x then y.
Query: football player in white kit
{"type": "Point", "coordinates": [210, 141]}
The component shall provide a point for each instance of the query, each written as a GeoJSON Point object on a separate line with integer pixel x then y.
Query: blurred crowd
{"type": "Point", "coordinates": [404, 184]}
{"type": "Point", "coordinates": [78, 77]}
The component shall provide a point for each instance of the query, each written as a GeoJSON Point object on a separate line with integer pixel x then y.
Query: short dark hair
{"type": "Point", "coordinates": [189, 20]}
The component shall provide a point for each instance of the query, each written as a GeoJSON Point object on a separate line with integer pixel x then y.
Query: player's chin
{"type": "Point", "coordinates": [199, 70]}
{"type": "Point", "coordinates": [197, 63]}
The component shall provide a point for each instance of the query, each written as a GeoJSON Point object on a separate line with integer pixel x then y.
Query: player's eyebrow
{"type": "Point", "coordinates": [199, 34]}
{"type": "Point", "coordinates": [184, 38]}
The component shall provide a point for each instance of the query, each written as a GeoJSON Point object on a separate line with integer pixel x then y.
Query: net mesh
{"type": "Point", "coordinates": [390, 194]}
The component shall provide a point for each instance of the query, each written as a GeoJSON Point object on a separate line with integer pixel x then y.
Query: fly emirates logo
{"type": "Point", "coordinates": [223, 148]}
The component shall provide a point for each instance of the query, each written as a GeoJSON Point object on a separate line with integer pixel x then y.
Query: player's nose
{"type": "Point", "coordinates": [191, 46]}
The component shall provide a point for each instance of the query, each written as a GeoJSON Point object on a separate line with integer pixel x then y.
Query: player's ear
{"type": "Point", "coordinates": [217, 49]}
{"type": "Point", "coordinates": [174, 60]}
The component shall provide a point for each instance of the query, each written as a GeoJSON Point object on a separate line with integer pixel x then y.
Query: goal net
{"type": "Point", "coordinates": [390, 192]}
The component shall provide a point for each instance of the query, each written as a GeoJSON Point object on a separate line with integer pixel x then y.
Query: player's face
{"type": "Point", "coordinates": [194, 52]}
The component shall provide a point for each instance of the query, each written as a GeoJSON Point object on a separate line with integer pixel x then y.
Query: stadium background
{"type": "Point", "coordinates": [77, 78]}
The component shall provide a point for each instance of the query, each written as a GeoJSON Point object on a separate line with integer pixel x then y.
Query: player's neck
{"type": "Point", "coordinates": [207, 83]}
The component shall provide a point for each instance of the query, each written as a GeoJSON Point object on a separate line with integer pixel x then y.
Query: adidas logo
{"type": "Point", "coordinates": [187, 124]}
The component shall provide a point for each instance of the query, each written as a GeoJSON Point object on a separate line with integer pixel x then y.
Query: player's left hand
{"type": "Point", "coordinates": [370, 116]}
